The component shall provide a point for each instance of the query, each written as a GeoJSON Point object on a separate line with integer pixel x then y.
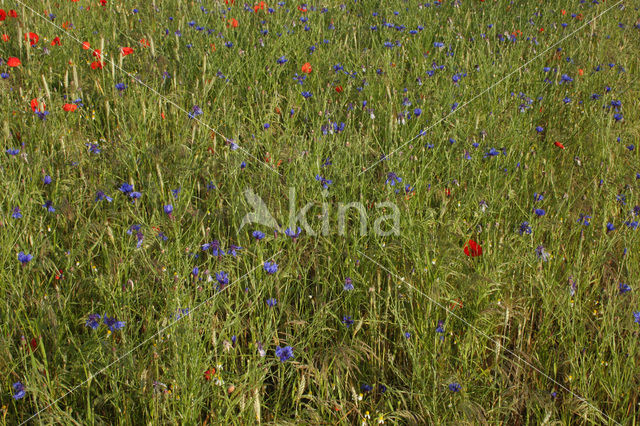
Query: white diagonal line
{"type": "Point", "coordinates": [171, 324]}
{"type": "Point", "coordinates": [489, 88]}
{"type": "Point", "coordinates": [488, 337]}
{"type": "Point", "coordinates": [103, 57]}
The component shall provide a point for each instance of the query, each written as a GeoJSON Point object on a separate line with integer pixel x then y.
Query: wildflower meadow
{"type": "Point", "coordinates": [344, 212]}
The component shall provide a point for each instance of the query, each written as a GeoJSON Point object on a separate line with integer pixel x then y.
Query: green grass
{"type": "Point", "coordinates": [514, 333]}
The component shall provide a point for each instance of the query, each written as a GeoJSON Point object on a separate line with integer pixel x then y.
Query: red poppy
{"type": "Point", "coordinates": [306, 68]}
{"type": "Point", "coordinates": [5, 37]}
{"type": "Point", "coordinates": [86, 45]}
{"type": "Point", "coordinates": [559, 145]}
{"type": "Point", "coordinates": [209, 373]}
{"type": "Point", "coordinates": [96, 65]}
{"type": "Point", "coordinates": [339, 89]}
{"type": "Point", "coordinates": [580, 71]}
{"type": "Point", "coordinates": [103, 2]}
{"type": "Point", "coordinates": [126, 51]}
{"type": "Point", "coordinates": [144, 42]}
{"type": "Point", "coordinates": [472, 249]}
{"type": "Point", "coordinates": [13, 14]}
{"type": "Point", "coordinates": [69, 107]}
{"type": "Point", "coordinates": [56, 42]}
{"type": "Point", "coordinates": [229, 2]}
{"type": "Point", "coordinates": [97, 53]}
{"type": "Point", "coordinates": [13, 62]}
{"type": "Point", "coordinates": [233, 22]}
{"type": "Point", "coordinates": [3, 15]}
{"type": "Point", "coordinates": [35, 106]}
{"type": "Point", "coordinates": [34, 344]}
{"type": "Point", "coordinates": [259, 6]}
{"type": "Point", "coordinates": [32, 37]}
{"type": "Point", "coordinates": [302, 9]}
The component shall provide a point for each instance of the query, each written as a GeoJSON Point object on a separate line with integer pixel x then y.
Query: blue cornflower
{"type": "Point", "coordinates": [565, 79]}
{"type": "Point", "coordinates": [223, 278]}
{"type": "Point", "coordinates": [182, 313]}
{"type": "Point", "coordinates": [168, 209]}
{"type": "Point", "coordinates": [49, 206]}
{"type": "Point", "coordinates": [93, 148]}
{"type": "Point", "coordinates": [539, 129]}
{"type": "Point", "coordinates": [42, 114]}
{"type": "Point", "coordinates": [4, 75]}
{"type": "Point", "coordinates": [307, 95]}
{"type": "Point", "coordinates": [102, 196]}
{"type": "Point", "coordinates": [12, 151]}
{"type": "Point", "coordinates": [285, 353]}
{"type": "Point", "coordinates": [584, 219]}
{"type": "Point", "coordinates": [176, 192]}
{"type": "Point", "coordinates": [542, 254]}
{"type": "Point", "coordinates": [233, 250]}
{"type": "Point", "coordinates": [610, 227]}
{"type": "Point", "coordinates": [440, 329]}
{"type": "Point", "coordinates": [325, 182]}
{"type": "Point", "coordinates": [272, 302]}
{"type": "Point", "coordinates": [195, 271]}
{"type": "Point", "coordinates": [407, 334]}
{"type": "Point", "coordinates": [392, 179]}
{"type": "Point", "coordinates": [281, 60]}
{"type": "Point", "coordinates": [120, 86]}
{"type": "Point", "coordinates": [348, 284]}
{"type": "Point", "coordinates": [636, 317]}
{"type": "Point", "coordinates": [539, 212]}
{"type": "Point", "coordinates": [346, 320]}
{"type": "Point", "coordinates": [623, 288]}
{"type": "Point", "coordinates": [258, 235]}
{"type": "Point", "coordinates": [492, 153]}
{"type": "Point", "coordinates": [195, 111]}
{"type": "Point", "coordinates": [366, 388]}
{"type": "Point", "coordinates": [113, 323]}
{"type": "Point", "coordinates": [18, 388]}
{"type": "Point", "coordinates": [537, 197]}
{"type": "Point", "coordinates": [133, 228]}
{"type": "Point", "coordinates": [525, 228]}
{"type": "Point", "coordinates": [417, 112]}
{"type": "Point", "coordinates": [93, 321]}
{"type": "Point", "coordinates": [126, 188]}
{"type": "Point", "coordinates": [24, 258]}
{"type": "Point", "coordinates": [289, 233]}
{"type": "Point", "coordinates": [270, 267]}
{"type": "Point", "coordinates": [17, 214]}
{"type": "Point", "coordinates": [47, 180]}
{"type": "Point", "coordinates": [455, 387]}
